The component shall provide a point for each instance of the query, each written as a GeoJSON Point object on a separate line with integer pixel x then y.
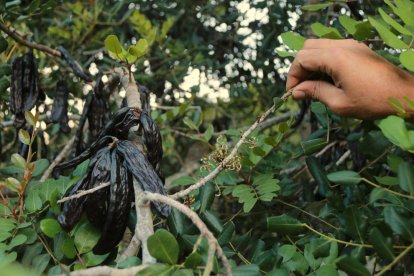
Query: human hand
{"type": "Point", "coordinates": [362, 81]}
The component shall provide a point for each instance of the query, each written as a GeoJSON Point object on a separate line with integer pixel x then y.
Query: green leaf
{"type": "Point", "coordinates": [40, 262]}
{"type": "Point", "coordinates": [24, 137]}
{"type": "Point", "coordinates": [380, 244]}
{"type": "Point", "coordinates": [93, 260]}
{"type": "Point", "coordinates": [11, 183]}
{"type": "Point", "coordinates": [5, 69]}
{"type": "Point", "coordinates": [6, 259]}
{"type": "Point", "coordinates": [354, 223]}
{"type": "Point", "coordinates": [407, 59]}
{"type": "Point", "coordinates": [286, 54]}
{"type": "Point", "coordinates": [193, 260]}
{"type": "Point", "coordinates": [18, 160]}
{"type": "Point", "coordinates": [4, 84]}
{"type": "Point", "coordinates": [314, 145]}
{"type": "Point", "coordinates": [293, 40]}
{"type": "Point", "coordinates": [316, 7]}
{"type": "Point", "coordinates": [246, 270]}
{"type": "Point", "coordinates": [156, 269]}
{"type": "Point", "coordinates": [33, 202]}
{"type": "Point", "coordinates": [30, 119]}
{"type": "Point", "coordinates": [352, 266]}
{"type": "Point", "coordinates": [188, 122]}
{"type": "Point", "coordinates": [68, 247]}
{"type": "Point", "coordinates": [399, 224]}
{"type": "Point", "coordinates": [398, 107]}
{"type": "Point", "coordinates": [394, 129]}
{"type": "Point", "coordinates": [319, 174]}
{"type": "Point", "coordinates": [397, 26]}
{"type": "Point", "coordinates": [387, 36]}
{"type": "Point", "coordinates": [3, 44]}
{"type": "Point", "coordinates": [209, 132]}
{"type": "Point", "coordinates": [86, 237]}
{"type": "Point", "coordinates": [406, 177]}
{"type": "Point", "coordinates": [183, 181]}
{"type": "Point", "coordinates": [285, 225]}
{"type": "Point", "coordinates": [404, 9]}
{"type": "Point", "coordinates": [16, 241]}
{"type": "Point", "coordinates": [7, 224]}
{"type": "Point", "coordinates": [129, 262]}
{"type": "Point", "coordinates": [40, 166]}
{"type": "Point", "coordinates": [50, 227]}
{"type": "Point", "coordinates": [163, 246]}
{"type": "Point", "coordinates": [212, 221]}
{"type": "Point", "coordinates": [81, 168]}
{"type": "Point", "coordinates": [323, 31]}
{"type": "Point", "coordinates": [287, 252]}
{"type": "Point", "coordinates": [409, 102]}
{"type": "Point", "coordinates": [246, 196]}
{"type": "Point", "coordinates": [345, 177]}
{"type": "Point", "coordinates": [227, 233]}
{"type": "Point", "coordinates": [113, 45]}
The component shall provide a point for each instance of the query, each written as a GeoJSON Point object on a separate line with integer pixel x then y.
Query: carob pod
{"type": "Point", "coordinates": [121, 122]}
{"type": "Point", "coordinates": [152, 141]}
{"type": "Point", "coordinates": [79, 148]}
{"type": "Point", "coordinates": [60, 106]}
{"type": "Point", "coordinates": [77, 70]}
{"type": "Point", "coordinates": [24, 87]}
{"type": "Point", "coordinates": [96, 206]}
{"type": "Point", "coordinates": [118, 208]}
{"type": "Point", "coordinates": [143, 172]}
{"type": "Point", "coordinates": [97, 145]}
{"type": "Point", "coordinates": [72, 209]}
{"type": "Point", "coordinates": [99, 112]}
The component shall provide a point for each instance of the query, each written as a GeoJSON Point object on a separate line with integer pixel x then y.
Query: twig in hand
{"type": "Point", "coordinates": [58, 159]}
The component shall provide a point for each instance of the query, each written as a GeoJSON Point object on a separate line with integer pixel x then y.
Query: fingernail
{"type": "Point", "coordinates": [298, 95]}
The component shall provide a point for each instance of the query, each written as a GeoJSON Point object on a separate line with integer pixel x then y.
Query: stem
{"type": "Point", "coordinates": [388, 190]}
{"type": "Point", "coordinates": [396, 260]}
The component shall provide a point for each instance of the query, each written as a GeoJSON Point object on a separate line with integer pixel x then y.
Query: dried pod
{"type": "Point", "coordinates": [60, 106]}
{"type": "Point", "coordinates": [143, 172]}
{"type": "Point", "coordinates": [121, 122]}
{"type": "Point", "coordinates": [77, 70]}
{"type": "Point", "coordinates": [24, 87]}
{"type": "Point", "coordinates": [118, 208]}
{"type": "Point", "coordinates": [96, 206]}
{"type": "Point", "coordinates": [72, 209]}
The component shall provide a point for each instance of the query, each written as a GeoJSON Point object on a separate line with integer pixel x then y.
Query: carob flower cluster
{"type": "Point", "coordinates": [118, 161]}
{"type": "Point", "coordinates": [25, 91]}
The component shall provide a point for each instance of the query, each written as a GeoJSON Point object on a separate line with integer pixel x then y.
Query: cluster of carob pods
{"type": "Point", "coordinates": [113, 157]}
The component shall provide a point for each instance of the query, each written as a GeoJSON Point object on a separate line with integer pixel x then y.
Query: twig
{"type": "Point", "coordinates": [85, 192]}
{"type": "Point", "coordinates": [29, 44]}
{"type": "Point", "coordinates": [58, 159]}
{"type": "Point", "coordinates": [197, 222]}
{"type": "Point", "coordinates": [210, 260]}
{"type": "Point", "coordinates": [343, 158]}
{"type": "Point", "coordinates": [108, 271]}
{"type": "Point", "coordinates": [396, 260]}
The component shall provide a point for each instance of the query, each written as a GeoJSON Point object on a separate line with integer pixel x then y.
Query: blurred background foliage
{"type": "Point", "coordinates": [333, 194]}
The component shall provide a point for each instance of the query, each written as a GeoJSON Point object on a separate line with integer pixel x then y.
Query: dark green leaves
{"type": "Point", "coordinates": [352, 266]}
{"type": "Point", "coordinates": [285, 225]}
{"type": "Point", "coordinates": [398, 223]}
{"type": "Point", "coordinates": [3, 44]}
{"type": "Point", "coordinates": [319, 174]}
{"type": "Point", "coordinates": [406, 177]}
{"type": "Point", "coordinates": [163, 246]}
{"type": "Point", "coordinates": [344, 177]}
{"type": "Point", "coordinates": [381, 245]}
{"type": "Point", "coordinates": [50, 227]}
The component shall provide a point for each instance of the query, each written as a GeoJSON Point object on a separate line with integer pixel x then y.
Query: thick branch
{"type": "Point", "coordinates": [85, 192]}
{"type": "Point", "coordinates": [29, 44]}
{"type": "Point", "coordinates": [108, 271]}
{"type": "Point", "coordinates": [197, 222]}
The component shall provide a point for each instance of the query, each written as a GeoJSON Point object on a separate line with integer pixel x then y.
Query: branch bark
{"type": "Point", "coordinates": [29, 44]}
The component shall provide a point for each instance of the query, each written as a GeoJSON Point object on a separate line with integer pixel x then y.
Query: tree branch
{"type": "Point", "coordinates": [85, 192]}
{"type": "Point", "coordinates": [29, 44]}
{"type": "Point", "coordinates": [58, 159]}
{"type": "Point", "coordinates": [226, 160]}
{"type": "Point", "coordinates": [197, 222]}
{"type": "Point", "coordinates": [108, 271]}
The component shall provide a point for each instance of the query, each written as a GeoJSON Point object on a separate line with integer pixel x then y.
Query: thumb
{"type": "Point", "coordinates": [322, 91]}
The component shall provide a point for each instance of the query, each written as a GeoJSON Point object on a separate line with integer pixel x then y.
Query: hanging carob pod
{"type": "Point", "coordinates": [25, 91]}
{"type": "Point", "coordinates": [96, 111]}
{"type": "Point", "coordinates": [60, 106]}
{"type": "Point", "coordinates": [76, 69]}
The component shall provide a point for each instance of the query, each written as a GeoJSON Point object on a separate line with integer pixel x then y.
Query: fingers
{"type": "Point", "coordinates": [324, 92]}
{"type": "Point", "coordinates": [313, 60]}
{"type": "Point", "coordinates": [332, 43]}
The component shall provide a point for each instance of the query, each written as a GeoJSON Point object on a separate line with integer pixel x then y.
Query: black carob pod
{"type": "Point", "coordinates": [77, 70]}
{"type": "Point", "coordinates": [60, 106]}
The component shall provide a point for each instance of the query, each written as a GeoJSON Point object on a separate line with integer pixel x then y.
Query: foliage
{"type": "Point", "coordinates": [285, 204]}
